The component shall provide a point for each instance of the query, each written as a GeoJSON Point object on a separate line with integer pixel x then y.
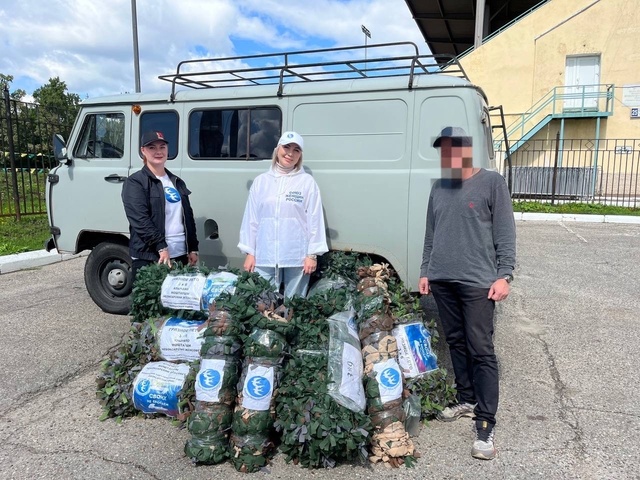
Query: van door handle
{"type": "Point", "coordinates": [115, 178]}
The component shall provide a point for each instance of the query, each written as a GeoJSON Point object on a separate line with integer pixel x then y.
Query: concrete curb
{"type": "Point", "coordinates": [575, 217]}
{"type": "Point", "coordinates": [38, 258]}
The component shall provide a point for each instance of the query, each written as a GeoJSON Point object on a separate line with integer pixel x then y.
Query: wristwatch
{"type": "Point", "coordinates": [508, 278]}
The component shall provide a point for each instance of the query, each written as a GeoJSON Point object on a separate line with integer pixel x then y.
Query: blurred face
{"type": "Point", "coordinates": [456, 160]}
{"type": "Point", "coordinates": [155, 153]}
{"type": "Point", "coordinates": [289, 155]}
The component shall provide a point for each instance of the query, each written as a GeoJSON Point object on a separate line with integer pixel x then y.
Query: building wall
{"type": "Point", "coordinates": [520, 65]}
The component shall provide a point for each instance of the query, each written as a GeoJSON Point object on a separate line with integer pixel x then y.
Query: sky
{"type": "Point", "coordinates": [89, 43]}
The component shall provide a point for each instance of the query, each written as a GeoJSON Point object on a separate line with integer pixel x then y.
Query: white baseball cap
{"type": "Point", "coordinates": [291, 137]}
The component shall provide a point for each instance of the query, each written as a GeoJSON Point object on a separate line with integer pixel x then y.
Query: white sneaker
{"type": "Point", "coordinates": [455, 412]}
{"type": "Point", "coordinates": [483, 447]}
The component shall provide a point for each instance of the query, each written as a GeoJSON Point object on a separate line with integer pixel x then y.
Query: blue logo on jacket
{"type": "Point", "coordinates": [171, 194]}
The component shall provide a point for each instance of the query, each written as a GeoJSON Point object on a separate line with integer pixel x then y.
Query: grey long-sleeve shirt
{"type": "Point", "coordinates": [471, 235]}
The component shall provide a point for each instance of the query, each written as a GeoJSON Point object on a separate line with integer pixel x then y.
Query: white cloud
{"type": "Point", "coordinates": [89, 43]}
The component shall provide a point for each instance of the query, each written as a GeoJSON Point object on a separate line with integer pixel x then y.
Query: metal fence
{"type": "Point", "coordinates": [588, 171]}
{"type": "Point", "coordinates": [26, 154]}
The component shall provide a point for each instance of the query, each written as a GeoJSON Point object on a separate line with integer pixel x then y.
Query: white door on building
{"type": "Point", "coordinates": [582, 76]}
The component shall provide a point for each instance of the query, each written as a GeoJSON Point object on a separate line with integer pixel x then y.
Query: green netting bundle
{"type": "Point", "coordinates": [220, 345]}
{"type": "Point", "coordinates": [247, 421]}
{"type": "Point", "coordinates": [208, 449]}
{"type": "Point", "coordinates": [119, 370]}
{"type": "Point", "coordinates": [278, 320]}
{"type": "Point", "coordinates": [327, 284]}
{"type": "Point", "coordinates": [210, 418]}
{"type": "Point", "coordinates": [434, 390]}
{"type": "Point", "coordinates": [209, 425]}
{"type": "Point", "coordinates": [384, 418]}
{"type": "Point", "coordinates": [265, 343]}
{"type": "Point", "coordinates": [212, 415]}
{"type": "Point", "coordinates": [370, 302]}
{"type": "Point", "coordinates": [222, 323]}
{"type": "Point", "coordinates": [375, 323]}
{"type": "Point", "coordinates": [254, 413]}
{"type": "Point", "coordinates": [249, 453]}
{"type": "Point", "coordinates": [315, 430]}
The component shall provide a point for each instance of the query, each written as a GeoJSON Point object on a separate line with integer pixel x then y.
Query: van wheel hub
{"type": "Point", "coordinates": [117, 278]}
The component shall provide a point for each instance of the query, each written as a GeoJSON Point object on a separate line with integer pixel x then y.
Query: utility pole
{"type": "Point", "coordinates": [136, 59]}
{"type": "Point", "coordinates": [367, 34]}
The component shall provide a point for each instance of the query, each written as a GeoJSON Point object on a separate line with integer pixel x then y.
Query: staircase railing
{"type": "Point", "coordinates": [575, 101]}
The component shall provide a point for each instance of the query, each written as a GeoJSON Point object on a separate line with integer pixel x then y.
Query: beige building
{"type": "Point", "coordinates": [567, 74]}
{"type": "Point", "coordinates": [583, 55]}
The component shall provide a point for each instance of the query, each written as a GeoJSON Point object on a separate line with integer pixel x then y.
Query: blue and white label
{"type": "Point", "coordinates": [182, 292]}
{"type": "Point", "coordinates": [209, 380]}
{"type": "Point", "coordinates": [414, 349]}
{"type": "Point", "coordinates": [389, 380]}
{"type": "Point", "coordinates": [216, 284]}
{"type": "Point", "coordinates": [171, 195]}
{"type": "Point", "coordinates": [156, 387]}
{"type": "Point", "coordinates": [258, 387]}
{"type": "Point", "coordinates": [181, 339]}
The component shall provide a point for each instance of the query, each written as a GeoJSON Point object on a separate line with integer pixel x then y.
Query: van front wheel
{"type": "Point", "coordinates": [107, 275]}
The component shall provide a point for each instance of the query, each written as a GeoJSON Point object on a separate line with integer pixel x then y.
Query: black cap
{"type": "Point", "coordinates": [151, 136]}
{"type": "Point", "coordinates": [458, 133]}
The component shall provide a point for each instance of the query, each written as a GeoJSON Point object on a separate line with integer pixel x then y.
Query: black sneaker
{"type": "Point", "coordinates": [483, 447]}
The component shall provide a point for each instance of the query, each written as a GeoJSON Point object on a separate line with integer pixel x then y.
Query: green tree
{"type": "Point", "coordinates": [55, 97]}
{"type": "Point", "coordinates": [8, 80]}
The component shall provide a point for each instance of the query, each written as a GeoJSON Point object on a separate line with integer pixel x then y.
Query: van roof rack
{"type": "Point", "coordinates": [364, 61]}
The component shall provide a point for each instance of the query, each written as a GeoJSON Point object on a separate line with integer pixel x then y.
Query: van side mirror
{"type": "Point", "coordinates": [60, 149]}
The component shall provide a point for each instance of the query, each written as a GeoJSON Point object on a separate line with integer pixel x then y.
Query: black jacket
{"type": "Point", "coordinates": [143, 199]}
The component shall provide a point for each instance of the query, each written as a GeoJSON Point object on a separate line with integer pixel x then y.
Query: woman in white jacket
{"type": "Point", "coordinates": [283, 228]}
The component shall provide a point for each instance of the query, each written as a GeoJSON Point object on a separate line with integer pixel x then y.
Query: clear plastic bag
{"type": "Point", "coordinates": [345, 362]}
{"type": "Point", "coordinates": [412, 411]}
{"type": "Point", "coordinates": [326, 284]}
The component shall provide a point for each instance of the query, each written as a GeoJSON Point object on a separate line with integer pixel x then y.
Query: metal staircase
{"type": "Point", "coordinates": [583, 101]}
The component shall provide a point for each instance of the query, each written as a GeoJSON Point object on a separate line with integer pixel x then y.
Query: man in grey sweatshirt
{"type": "Point", "coordinates": [467, 263]}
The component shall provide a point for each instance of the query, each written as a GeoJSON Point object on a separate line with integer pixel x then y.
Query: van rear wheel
{"type": "Point", "coordinates": [107, 276]}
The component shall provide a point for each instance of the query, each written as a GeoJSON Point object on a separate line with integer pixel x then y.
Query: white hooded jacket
{"type": "Point", "coordinates": [283, 220]}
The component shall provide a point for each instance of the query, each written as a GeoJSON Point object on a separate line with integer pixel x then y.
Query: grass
{"type": "Point", "coordinates": [584, 208]}
{"type": "Point", "coordinates": [33, 230]}
{"type": "Point", "coordinates": [27, 235]}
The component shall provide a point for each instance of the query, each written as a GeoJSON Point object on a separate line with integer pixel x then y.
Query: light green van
{"type": "Point", "coordinates": [368, 119]}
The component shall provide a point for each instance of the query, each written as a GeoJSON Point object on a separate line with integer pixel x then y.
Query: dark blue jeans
{"type": "Point", "coordinates": [466, 316]}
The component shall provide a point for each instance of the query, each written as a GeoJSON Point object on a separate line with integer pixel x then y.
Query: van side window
{"type": "Point", "coordinates": [165, 122]}
{"type": "Point", "coordinates": [248, 133]}
{"type": "Point", "coordinates": [101, 136]}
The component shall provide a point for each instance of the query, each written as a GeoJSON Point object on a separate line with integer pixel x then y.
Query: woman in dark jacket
{"type": "Point", "coordinates": [161, 224]}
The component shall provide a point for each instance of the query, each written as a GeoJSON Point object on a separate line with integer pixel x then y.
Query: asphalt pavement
{"type": "Point", "coordinates": [566, 339]}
